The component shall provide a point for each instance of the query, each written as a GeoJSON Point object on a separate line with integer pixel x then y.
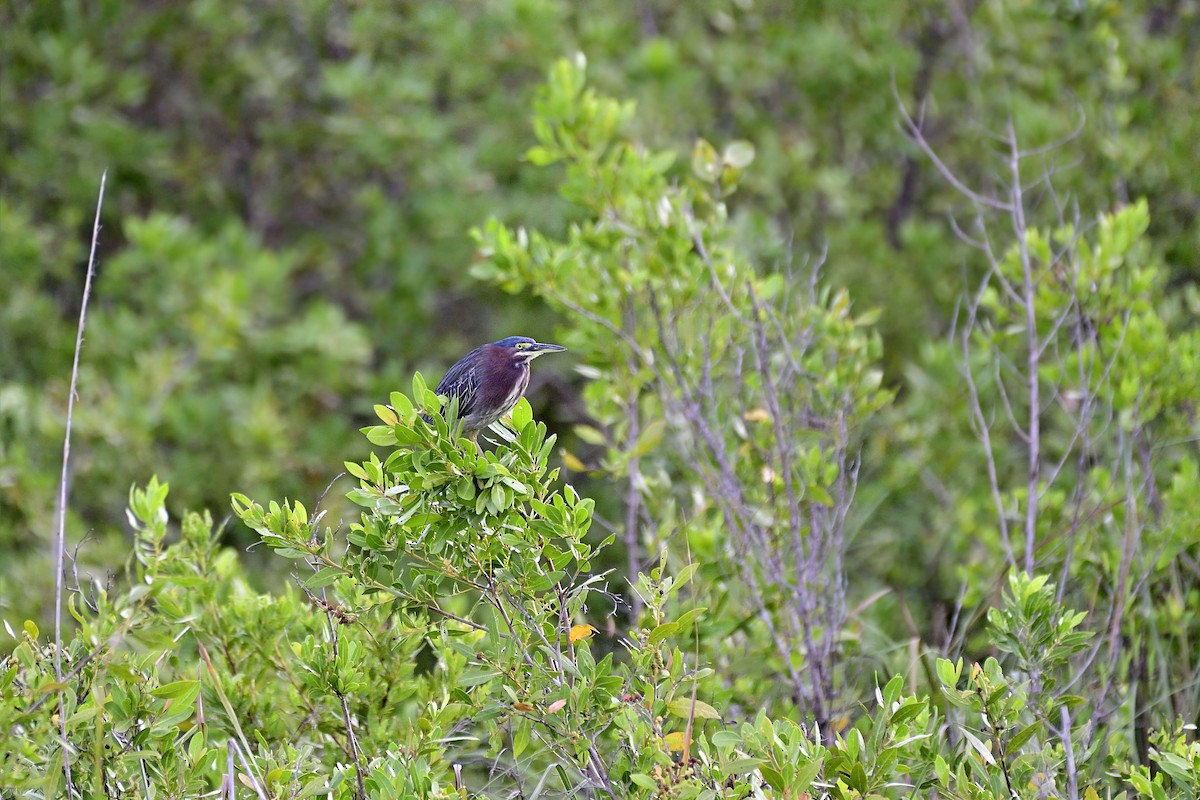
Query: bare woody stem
{"type": "Point", "coordinates": [1033, 362]}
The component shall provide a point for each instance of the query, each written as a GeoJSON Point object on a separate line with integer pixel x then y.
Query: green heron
{"type": "Point", "coordinates": [489, 380]}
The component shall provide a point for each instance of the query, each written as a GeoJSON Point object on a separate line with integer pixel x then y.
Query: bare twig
{"type": "Point", "coordinates": [1033, 362]}
{"type": "Point", "coordinates": [60, 545]}
{"type": "Point", "coordinates": [983, 430]}
{"type": "Point", "coordinates": [254, 782]}
{"type": "Point", "coordinates": [633, 491]}
{"type": "Point", "coordinates": [914, 130]}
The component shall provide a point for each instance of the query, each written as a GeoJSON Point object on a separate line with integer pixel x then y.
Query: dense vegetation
{"type": "Point", "coordinates": [877, 473]}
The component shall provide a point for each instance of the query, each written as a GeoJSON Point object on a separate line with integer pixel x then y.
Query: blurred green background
{"type": "Point", "coordinates": [291, 185]}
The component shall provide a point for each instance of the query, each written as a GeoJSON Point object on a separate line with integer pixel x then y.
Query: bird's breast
{"type": "Point", "coordinates": [499, 390]}
{"type": "Point", "coordinates": [519, 387]}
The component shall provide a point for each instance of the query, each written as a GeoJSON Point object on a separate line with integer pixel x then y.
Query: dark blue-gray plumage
{"type": "Point", "coordinates": [489, 380]}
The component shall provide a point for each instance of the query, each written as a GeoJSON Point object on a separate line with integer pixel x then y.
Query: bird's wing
{"type": "Point", "coordinates": [461, 381]}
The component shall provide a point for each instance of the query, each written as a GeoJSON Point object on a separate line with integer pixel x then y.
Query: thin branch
{"type": "Point", "coordinates": [1057, 143]}
{"type": "Point", "coordinates": [913, 129]}
{"type": "Point", "coordinates": [69, 676]}
{"type": "Point", "coordinates": [996, 272]}
{"type": "Point", "coordinates": [962, 235]}
{"type": "Point", "coordinates": [1002, 391]}
{"type": "Point", "coordinates": [984, 431]}
{"type": "Point", "coordinates": [254, 782]}
{"type": "Point", "coordinates": [1033, 362]}
{"type": "Point", "coordinates": [60, 544]}
{"type": "Point", "coordinates": [575, 308]}
{"type": "Point", "coordinates": [698, 244]}
{"type": "Point", "coordinates": [633, 497]}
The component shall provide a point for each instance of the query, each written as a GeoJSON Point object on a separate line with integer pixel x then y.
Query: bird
{"type": "Point", "coordinates": [489, 380]}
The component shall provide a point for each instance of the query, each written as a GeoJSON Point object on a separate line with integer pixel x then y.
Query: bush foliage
{"type": "Point", "coordinates": [877, 475]}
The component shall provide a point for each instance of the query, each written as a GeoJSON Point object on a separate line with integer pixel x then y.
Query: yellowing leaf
{"type": "Point", "coordinates": [756, 415]}
{"type": "Point", "coordinates": [704, 161]}
{"type": "Point", "coordinates": [676, 742]}
{"type": "Point", "coordinates": [386, 414]}
{"type": "Point", "coordinates": [580, 632]}
{"type": "Point", "coordinates": [572, 463]}
{"type": "Point", "coordinates": [590, 434]}
{"type": "Point", "coordinates": [523, 707]}
{"type": "Point", "coordinates": [556, 706]}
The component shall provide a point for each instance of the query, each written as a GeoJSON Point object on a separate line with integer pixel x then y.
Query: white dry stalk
{"type": "Point", "coordinates": [60, 543]}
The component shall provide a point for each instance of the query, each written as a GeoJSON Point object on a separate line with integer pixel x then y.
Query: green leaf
{"type": "Point", "coordinates": [743, 766]}
{"type": "Point", "coordinates": [419, 388]}
{"type": "Point", "coordinates": [773, 778]}
{"type": "Point", "coordinates": [662, 632]}
{"type": "Point", "coordinates": [322, 577]}
{"type": "Point", "coordinates": [684, 576]}
{"type": "Point", "coordinates": [380, 435]}
{"type": "Point", "coordinates": [725, 739]}
{"type": "Point", "coordinates": [1024, 736]}
{"type": "Point", "coordinates": [540, 156]}
{"type": "Point", "coordinates": [489, 713]}
{"type": "Point", "coordinates": [818, 495]}
{"type": "Point", "coordinates": [86, 712]}
{"type": "Point", "coordinates": [1141, 784]}
{"type": "Point", "coordinates": [857, 778]}
{"type": "Point", "coordinates": [948, 672]}
{"type": "Point", "coordinates": [476, 677]}
{"type": "Point", "coordinates": [942, 769]}
{"type": "Point", "coordinates": [314, 787]}
{"type": "Point", "coordinates": [465, 488]}
{"type": "Point", "coordinates": [909, 711]}
{"type": "Point", "coordinates": [402, 405]}
{"type": "Point", "coordinates": [520, 738]}
{"type": "Point", "coordinates": [181, 693]}
{"type": "Point", "coordinates": [806, 774]}
{"type": "Point", "coordinates": [522, 414]}
{"type": "Point", "coordinates": [682, 707]}
{"type": "Point", "coordinates": [644, 781]}
{"type": "Point", "coordinates": [1178, 768]}
{"type": "Point", "coordinates": [891, 692]}
{"type": "Point", "coordinates": [405, 436]}
{"type": "Point", "coordinates": [650, 438]}
{"type": "Point", "coordinates": [687, 618]}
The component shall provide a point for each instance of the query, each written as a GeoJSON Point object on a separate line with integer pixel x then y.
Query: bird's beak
{"type": "Point", "coordinates": [541, 348]}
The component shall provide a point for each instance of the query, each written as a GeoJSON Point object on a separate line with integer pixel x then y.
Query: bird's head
{"type": "Point", "coordinates": [522, 349]}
